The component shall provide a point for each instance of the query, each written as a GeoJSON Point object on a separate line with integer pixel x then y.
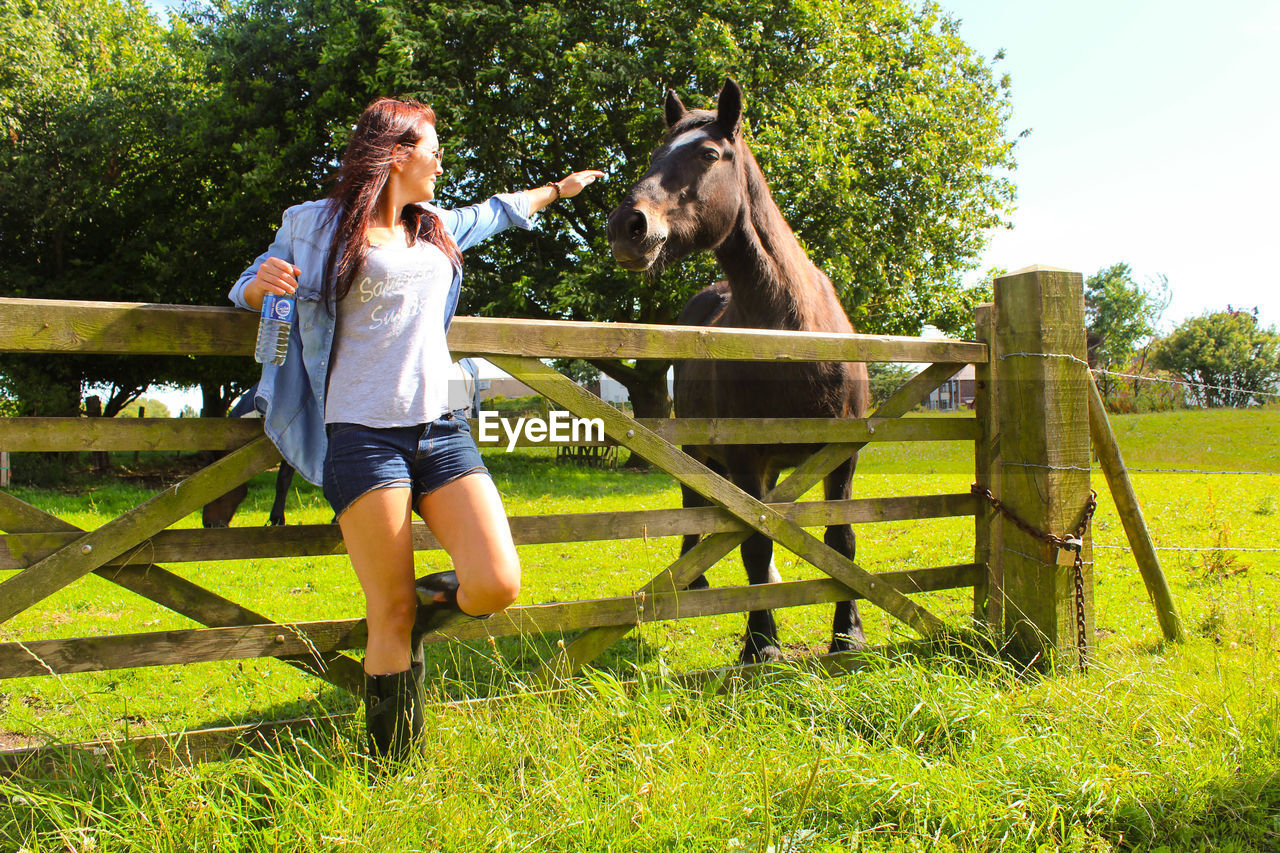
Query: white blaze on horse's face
{"type": "Point", "coordinates": [687, 138]}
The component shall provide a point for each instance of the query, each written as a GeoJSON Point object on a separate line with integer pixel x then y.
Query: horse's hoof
{"type": "Point", "coordinates": [767, 654]}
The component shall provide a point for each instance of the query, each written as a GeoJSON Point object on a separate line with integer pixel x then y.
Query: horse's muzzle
{"type": "Point", "coordinates": [635, 238]}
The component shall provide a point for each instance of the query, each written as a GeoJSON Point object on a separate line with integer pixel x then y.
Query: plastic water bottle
{"type": "Point", "coordinates": [273, 329]}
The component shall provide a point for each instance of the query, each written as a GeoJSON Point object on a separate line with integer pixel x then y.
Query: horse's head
{"type": "Point", "coordinates": [691, 195]}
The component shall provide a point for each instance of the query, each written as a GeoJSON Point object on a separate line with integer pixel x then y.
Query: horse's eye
{"type": "Point", "coordinates": [710, 155]}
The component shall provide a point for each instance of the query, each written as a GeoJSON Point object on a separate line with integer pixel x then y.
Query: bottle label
{"type": "Point", "coordinates": [277, 308]}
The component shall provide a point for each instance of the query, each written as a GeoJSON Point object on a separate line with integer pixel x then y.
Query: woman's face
{"type": "Point", "coordinates": [422, 166]}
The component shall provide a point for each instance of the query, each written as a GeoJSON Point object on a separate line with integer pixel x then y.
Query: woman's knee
{"type": "Point", "coordinates": [493, 591]}
{"type": "Point", "coordinates": [393, 613]}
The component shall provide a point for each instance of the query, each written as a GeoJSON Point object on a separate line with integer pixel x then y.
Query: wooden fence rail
{"type": "Point", "coordinates": [1030, 448]}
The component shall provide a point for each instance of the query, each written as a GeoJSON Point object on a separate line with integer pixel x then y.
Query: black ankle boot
{"type": "Point", "coordinates": [434, 614]}
{"type": "Point", "coordinates": [393, 713]}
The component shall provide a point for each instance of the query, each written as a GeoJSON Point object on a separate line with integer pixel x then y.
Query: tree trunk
{"type": "Point", "coordinates": [215, 399]}
{"type": "Point", "coordinates": [101, 459]}
{"type": "Point", "coordinates": [646, 384]}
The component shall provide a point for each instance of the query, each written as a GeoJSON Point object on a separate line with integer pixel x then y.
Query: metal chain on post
{"type": "Point", "coordinates": [1073, 545]}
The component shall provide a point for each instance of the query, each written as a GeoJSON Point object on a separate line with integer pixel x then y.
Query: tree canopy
{"type": "Point", "coordinates": [159, 161]}
{"type": "Point", "coordinates": [1120, 314]}
{"type": "Point", "coordinates": [881, 132]}
{"type": "Point", "coordinates": [1231, 360]}
{"type": "Point", "coordinates": [92, 176]}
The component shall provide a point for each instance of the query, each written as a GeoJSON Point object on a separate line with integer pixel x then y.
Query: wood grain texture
{"type": "Point", "coordinates": [1130, 511]}
{"type": "Point", "coordinates": [711, 549]}
{"type": "Point", "coordinates": [1043, 413]}
{"type": "Point", "coordinates": [20, 550]}
{"type": "Point", "coordinates": [57, 326]}
{"type": "Point", "coordinates": [719, 491]}
{"type": "Point", "coordinates": [315, 639]}
{"type": "Point", "coordinates": [45, 435]}
{"type": "Point", "coordinates": [988, 606]}
{"type": "Point", "coordinates": [92, 550]}
{"type": "Point", "coordinates": [49, 435]}
{"type": "Point", "coordinates": [181, 595]}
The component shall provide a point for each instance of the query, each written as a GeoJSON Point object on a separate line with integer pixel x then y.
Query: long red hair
{"type": "Point", "coordinates": [384, 125]}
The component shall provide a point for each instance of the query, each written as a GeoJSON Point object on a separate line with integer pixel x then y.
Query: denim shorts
{"type": "Point", "coordinates": [423, 457]}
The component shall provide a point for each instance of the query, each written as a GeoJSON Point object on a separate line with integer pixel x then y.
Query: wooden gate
{"type": "Point", "coordinates": [1031, 347]}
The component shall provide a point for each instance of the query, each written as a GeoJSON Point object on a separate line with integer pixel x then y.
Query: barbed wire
{"type": "Point", "coordinates": [1193, 548]}
{"type": "Point", "coordinates": [1062, 355]}
{"type": "Point", "coordinates": [1133, 470]}
{"type": "Point", "coordinates": [1198, 471]}
{"type": "Point", "coordinates": [1183, 382]}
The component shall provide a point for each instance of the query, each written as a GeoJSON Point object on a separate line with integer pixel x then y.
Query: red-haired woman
{"type": "Point", "coordinates": [360, 405]}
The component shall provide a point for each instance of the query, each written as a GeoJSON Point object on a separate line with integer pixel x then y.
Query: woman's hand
{"type": "Point", "coordinates": [575, 183]}
{"type": "Point", "coordinates": [564, 188]}
{"type": "Point", "coordinates": [274, 276]}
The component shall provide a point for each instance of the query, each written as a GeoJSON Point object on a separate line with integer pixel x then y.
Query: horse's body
{"type": "Point", "coordinates": [703, 190]}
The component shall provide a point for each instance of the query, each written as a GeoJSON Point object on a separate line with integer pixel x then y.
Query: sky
{"type": "Point", "coordinates": [1154, 140]}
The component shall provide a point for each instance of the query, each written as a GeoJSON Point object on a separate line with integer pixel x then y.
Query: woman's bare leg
{"type": "Point", "coordinates": [376, 529]}
{"type": "Point", "coordinates": [467, 518]}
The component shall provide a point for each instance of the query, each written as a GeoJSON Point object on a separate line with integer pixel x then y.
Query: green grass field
{"type": "Point", "coordinates": [1157, 747]}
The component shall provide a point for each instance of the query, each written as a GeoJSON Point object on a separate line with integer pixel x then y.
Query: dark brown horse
{"type": "Point", "coordinates": [703, 190]}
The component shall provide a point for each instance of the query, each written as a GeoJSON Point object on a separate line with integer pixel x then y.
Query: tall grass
{"type": "Point", "coordinates": [1157, 747]}
{"type": "Point", "coordinates": [1176, 751]}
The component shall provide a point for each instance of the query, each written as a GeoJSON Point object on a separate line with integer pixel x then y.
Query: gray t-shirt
{"type": "Point", "coordinates": [391, 364]}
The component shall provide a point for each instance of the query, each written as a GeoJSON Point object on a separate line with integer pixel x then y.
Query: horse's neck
{"type": "Point", "coordinates": [774, 284]}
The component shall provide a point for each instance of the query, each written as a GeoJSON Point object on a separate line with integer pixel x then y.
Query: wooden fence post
{"type": "Point", "coordinates": [1042, 408]}
{"type": "Point", "coordinates": [988, 597]}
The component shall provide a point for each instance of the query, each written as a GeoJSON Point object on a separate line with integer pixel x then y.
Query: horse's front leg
{"type": "Point", "coordinates": [761, 642]}
{"type": "Point", "coordinates": [284, 481]}
{"type": "Point", "coordinates": [762, 631]}
{"type": "Point", "coordinates": [846, 625]}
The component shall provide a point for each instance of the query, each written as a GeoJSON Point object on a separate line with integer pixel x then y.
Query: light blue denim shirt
{"type": "Point", "coordinates": [291, 396]}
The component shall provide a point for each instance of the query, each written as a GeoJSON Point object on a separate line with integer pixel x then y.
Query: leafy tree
{"type": "Point", "coordinates": [579, 370]}
{"type": "Point", "coordinates": [149, 407]}
{"type": "Point", "coordinates": [287, 81]}
{"type": "Point", "coordinates": [1120, 313]}
{"type": "Point", "coordinates": [881, 131]}
{"type": "Point", "coordinates": [1230, 360]}
{"type": "Point", "coordinates": [886, 378]}
{"type": "Point", "coordinates": [89, 174]}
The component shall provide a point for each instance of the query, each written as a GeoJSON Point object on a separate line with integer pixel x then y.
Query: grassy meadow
{"type": "Point", "coordinates": [1158, 747]}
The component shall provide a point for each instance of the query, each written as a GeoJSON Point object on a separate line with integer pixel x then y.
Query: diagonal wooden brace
{"type": "Point", "coordinates": [90, 551]}
{"type": "Point", "coordinates": [710, 550]}
{"type": "Point", "coordinates": [697, 476]}
{"type": "Point", "coordinates": [181, 595]}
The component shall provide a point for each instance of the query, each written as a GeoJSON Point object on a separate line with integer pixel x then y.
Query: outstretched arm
{"type": "Point", "coordinates": [540, 197]}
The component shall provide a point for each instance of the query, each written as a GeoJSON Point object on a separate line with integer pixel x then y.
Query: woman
{"type": "Point", "coordinates": [360, 404]}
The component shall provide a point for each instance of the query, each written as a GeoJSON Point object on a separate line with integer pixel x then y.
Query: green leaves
{"type": "Point", "coordinates": [879, 130]}
{"type": "Point", "coordinates": [1235, 362]}
{"type": "Point", "coordinates": [145, 163]}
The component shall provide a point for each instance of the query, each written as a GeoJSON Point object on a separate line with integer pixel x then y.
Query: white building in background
{"type": "Point", "coordinates": [954, 394]}
{"type": "Point", "coordinates": [493, 382]}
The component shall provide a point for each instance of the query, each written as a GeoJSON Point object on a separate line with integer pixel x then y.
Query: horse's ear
{"type": "Point", "coordinates": [675, 108]}
{"type": "Point", "coordinates": [729, 107]}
